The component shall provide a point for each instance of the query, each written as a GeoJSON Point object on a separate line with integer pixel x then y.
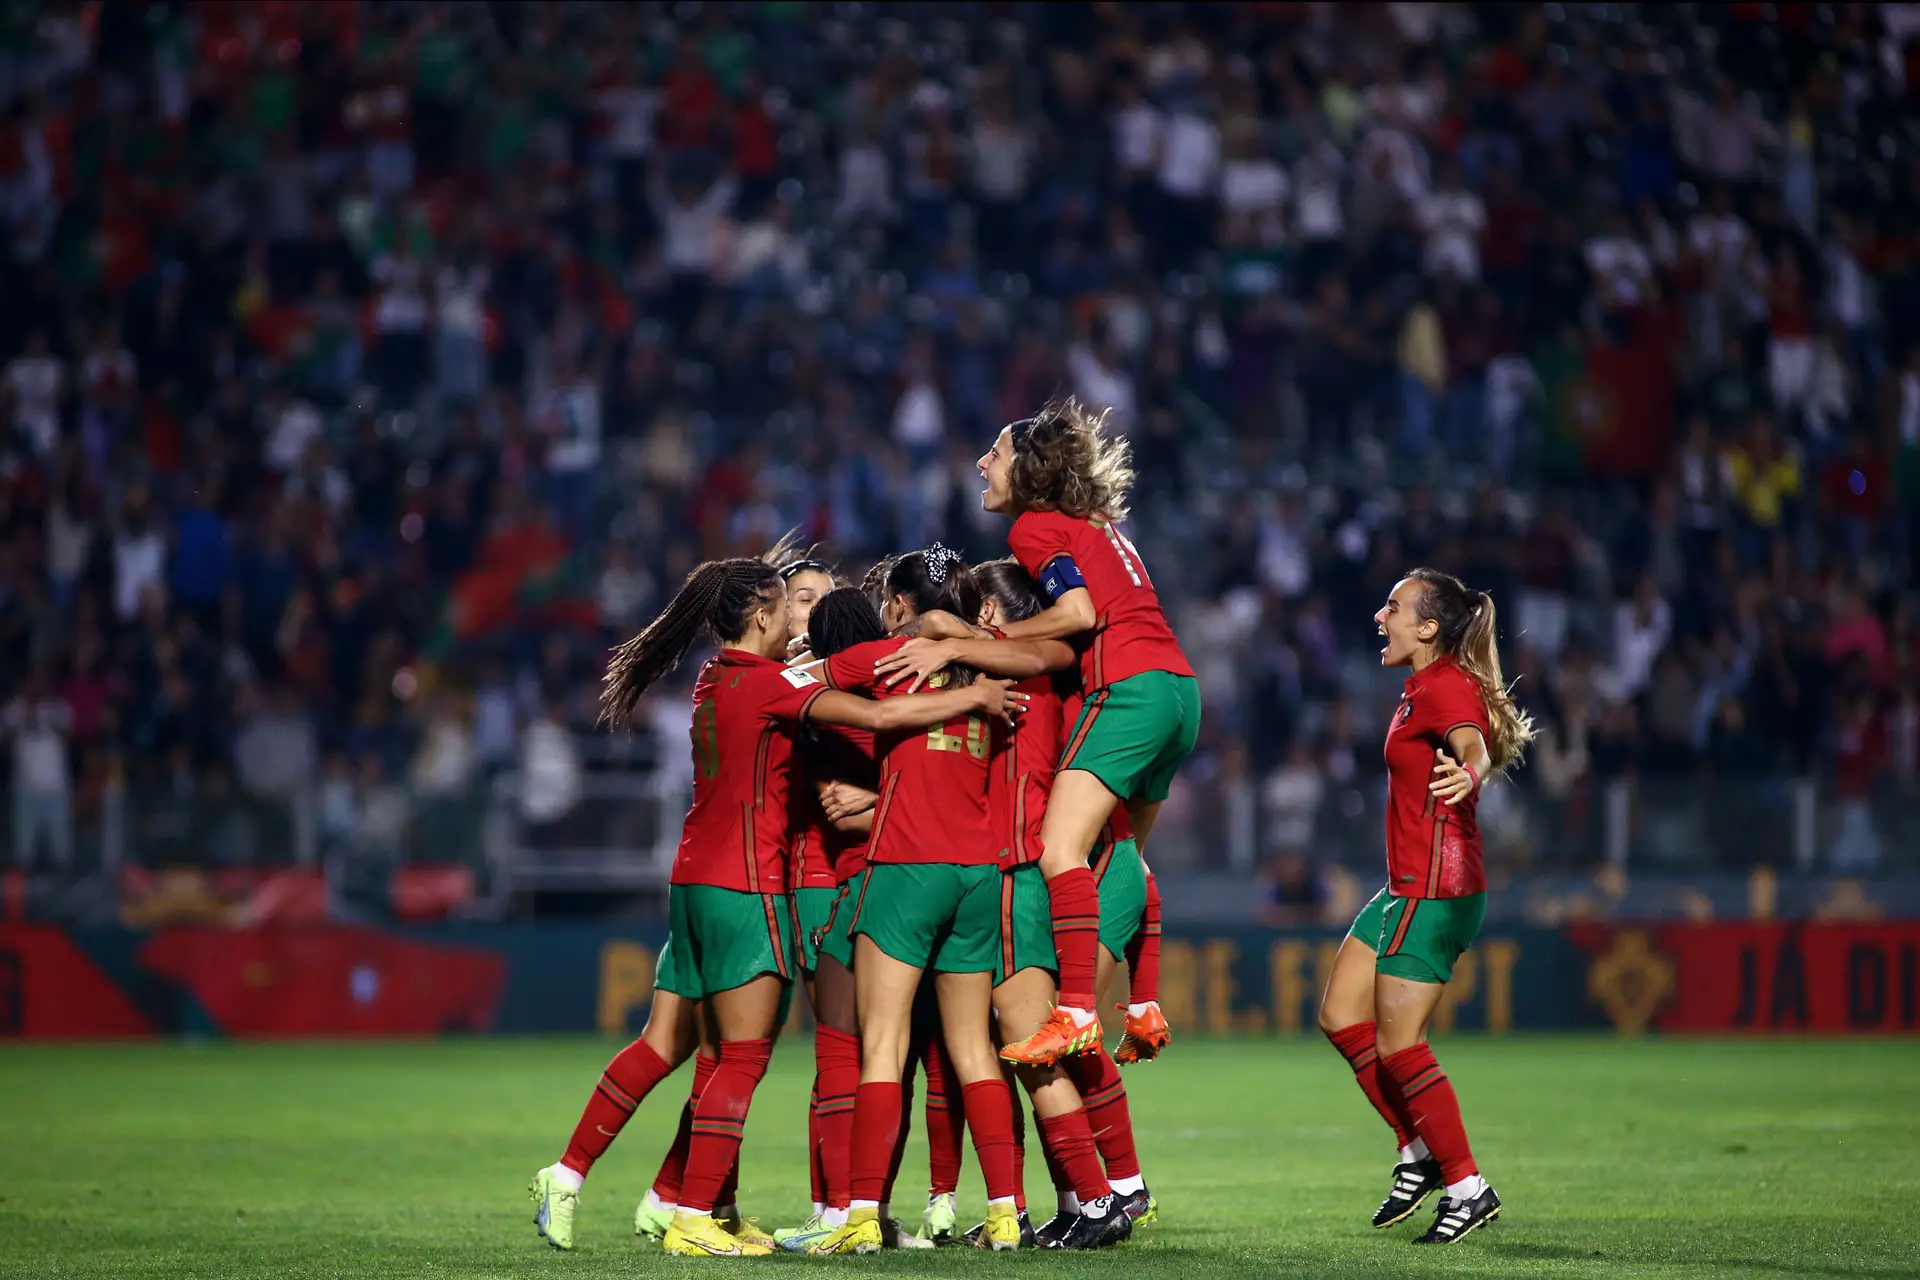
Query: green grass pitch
{"type": "Point", "coordinates": [1747, 1158]}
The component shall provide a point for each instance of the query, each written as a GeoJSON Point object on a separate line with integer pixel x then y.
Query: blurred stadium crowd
{"type": "Point", "coordinates": [366, 367]}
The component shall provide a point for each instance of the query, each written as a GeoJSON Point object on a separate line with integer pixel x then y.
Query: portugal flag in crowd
{"type": "Point", "coordinates": [1609, 405]}
{"type": "Point", "coordinates": [524, 575]}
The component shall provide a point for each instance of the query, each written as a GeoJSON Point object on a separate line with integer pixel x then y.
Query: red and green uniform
{"type": "Point", "coordinates": [931, 893]}
{"type": "Point", "coordinates": [1023, 767]}
{"type": "Point", "coordinates": [1436, 893]}
{"type": "Point", "coordinates": [1142, 711]}
{"type": "Point", "coordinates": [729, 919]}
{"type": "Point", "coordinates": [822, 858]}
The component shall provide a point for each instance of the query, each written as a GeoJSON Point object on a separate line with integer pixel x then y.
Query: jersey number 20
{"type": "Point", "coordinates": [975, 743]}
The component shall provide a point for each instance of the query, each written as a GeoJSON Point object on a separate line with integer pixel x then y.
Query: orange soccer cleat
{"type": "Point", "coordinates": [1058, 1037]}
{"type": "Point", "coordinates": [1146, 1035]}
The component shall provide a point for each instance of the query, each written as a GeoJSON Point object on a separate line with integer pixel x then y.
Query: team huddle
{"type": "Point", "coordinates": [926, 798]}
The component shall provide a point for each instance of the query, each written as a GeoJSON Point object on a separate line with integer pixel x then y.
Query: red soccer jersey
{"type": "Point", "coordinates": [1130, 633]}
{"type": "Point", "coordinates": [1024, 760]}
{"type": "Point", "coordinates": [933, 782]}
{"type": "Point", "coordinates": [744, 711]}
{"type": "Point", "coordinates": [821, 855]}
{"type": "Point", "coordinates": [1433, 851]}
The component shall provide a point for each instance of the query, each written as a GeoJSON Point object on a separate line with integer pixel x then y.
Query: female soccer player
{"type": "Point", "coordinates": [1456, 729]}
{"type": "Point", "coordinates": [1065, 483]}
{"type": "Point", "coordinates": [930, 901]}
{"type": "Point", "coordinates": [729, 941]}
{"type": "Point", "coordinates": [1025, 994]}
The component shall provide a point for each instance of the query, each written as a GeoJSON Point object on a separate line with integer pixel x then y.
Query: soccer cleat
{"type": "Point", "coordinates": [1458, 1219]}
{"type": "Point", "coordinates": [1413, 1182]}
{"type": "Point", "coordinates": [1006, 1227]}
{"type": "Point", "coordinates": [1138, 1205]}
{"type": "Point", "coordinates": [700, 1235]}
{"type": "Point", "coordinates": [1050, 1234]}
{"type": "Point", "coordinates": [861, 1234]}
{"type": "Point", "coordinates": [1029, 1239]}
{"type": "Point", "coordinates": [554, 1206]}
{"type": "Point", "coordinates": [1058, 1037]}
{"type": "Point", "coordinates": [651, 1218]}
{"type": "Point", "coordinates": [1144, 1037]}
{"type": "Point", "coordinates": [1090, 1231]}
{"type": "Point", "coordinates": [802, 1238]}
{"type": "Point", "coordinates": [746, 1231]}
{"type": "Point", "coordinates": [940, 1224]}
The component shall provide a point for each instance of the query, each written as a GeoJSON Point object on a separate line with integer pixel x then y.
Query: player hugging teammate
{"type": "Point", "coordinates": [928, 800]}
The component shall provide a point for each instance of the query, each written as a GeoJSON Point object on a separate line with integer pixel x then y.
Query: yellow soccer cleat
{"type": "Point", "coordinates": [861, 1234]}
{"type": "Point", "coordinates": [554, 1205]}
{"type": "Point", "coordinates": [651, 1218]}
{"type": "Point", "coordinates": [747, 1231]}
{"type": "Point", "coordinates": [700, 1235]}
{"type": "Point", "coordinates": [1003, 1226]}
{"type": "Point", "coordinates": [941, 1224]}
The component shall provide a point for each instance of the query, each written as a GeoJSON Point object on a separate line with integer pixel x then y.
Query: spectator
{"type": "Point", "coordinates": [1295, 893]}
{"type": "Point", "coordinates": [38, 720]}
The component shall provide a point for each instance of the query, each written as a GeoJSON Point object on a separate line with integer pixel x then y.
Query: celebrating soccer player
{"type": "Point", "coordinates": [730, 938]}
{"type": "Point", "coordinates": [1456, 728]}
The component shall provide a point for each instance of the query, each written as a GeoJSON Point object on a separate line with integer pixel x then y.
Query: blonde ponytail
{"type": "Point", "coordinates": [1479, 656]}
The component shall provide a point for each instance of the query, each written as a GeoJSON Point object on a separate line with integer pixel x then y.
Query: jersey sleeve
{"type": "Point", "coordinates": [1037, 539]}
{"type": "Point", "coordinates": [1454, 702]}
{"type": "Point", "coordinates": [851, 670]}
{"type": "Point", "coordinates": [784, 693]}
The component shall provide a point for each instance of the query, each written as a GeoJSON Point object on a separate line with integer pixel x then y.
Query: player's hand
{"type": "Point", "coordinates": [843, 800]}
{"type": "Point", "coordinates": [998, 700]}
{"type": "Point", "coordinates": [797, 646]}
{"type": "Point", "coordinates": [915, 660]}
{"type": "Point", "coordinates": [1452, 781]}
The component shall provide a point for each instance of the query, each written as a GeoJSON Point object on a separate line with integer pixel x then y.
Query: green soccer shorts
{"type": "Point", "coordinates": [1135, 735]}
{"type": "Point", "coordinates": [1026, 923]}
{"type": "Point", "coordinates": [1419, 939]}
{"type": "Point", "coordinates": [719, 939]}
{"type": "Point", "coordinates": [812, 913]}
{"type": "Point", "coordinates": [1122, 875]}
{"type": "Point", "coordinates": [933, 915]}
{"type": "Point", "coordinates": [836, 939]}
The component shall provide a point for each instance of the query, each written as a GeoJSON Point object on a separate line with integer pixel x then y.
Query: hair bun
{"type": "Point", "coordinates": [940, 558]}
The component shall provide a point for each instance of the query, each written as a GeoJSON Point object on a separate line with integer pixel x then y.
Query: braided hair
{"type": "Point", "coordinates": [1467, 624]}
{"type": "Point", "coordinates": [716, 598]}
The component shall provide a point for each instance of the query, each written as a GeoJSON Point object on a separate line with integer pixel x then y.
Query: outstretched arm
{"type": "Point", "coordinates": [1071, 615]}
{"type": "Point", "coordinates": [918, 711]}
{"type": "Point", "coordinates": [1010, 659]}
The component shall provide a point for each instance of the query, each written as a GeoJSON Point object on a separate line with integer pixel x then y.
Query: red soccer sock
{"type": "Point", "coordinates": [627, 1080]}
{"type": "Point", "coordinates": [1105, 1100]}
{"type": "Point", "coordinates": [837, 1055]}
{"type": "Point", "coordinates": [990, 1115]}
{"type": "Point", "coordinates": [946, 1121]}
{"type": "Point", "coordinates": [1433, 1108]}
{"type": "Point", "coordinates": [1070, 1138]}
{"type": "Point", "coordinates": [673, 1167]}
{"type": "Point", "coordinates": [876, 1136]}
{"type": "Point", "coordinates": [900, 1142]}
{"type": "Point", "coordinates": [720, 1120]}
{"type": "Point", "coordinates": [1019, 1150]}
{"type": "Point", "coordinates": [1143, 953]}
{"type": "Point", "coordinates": [1355, 1044]}
{"type": "Point", "coordinates": [815, 1174]}
{"type": "Point", "coordinates": [1074, 898]}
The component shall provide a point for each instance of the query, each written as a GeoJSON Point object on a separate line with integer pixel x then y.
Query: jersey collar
{"type": "Point", "coordinates": [743, 658]}
{"type": "Point", "coordinates": [1421, 679]}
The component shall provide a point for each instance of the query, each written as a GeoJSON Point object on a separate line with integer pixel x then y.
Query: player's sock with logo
{"type": "Point", "coordinates": [1433, 1109]}
{"type": "Point", "coordinates": [1143, 953]}
{"type": "Point", "coordinates": [625, 1083]}
{"type": "Point", "coordinates": [1074, 899]}
{"type": "Point", "coordinates": [1356, 1045]}
{"type": "Point", "coordinates": [837, 1055]}
{"type": "Point", "coordinates": [946, 1119]}
{"type": "Point", "coordinates": [673, 1166]}
{"type": "Point", "coordinates": [1070, 1138]}
{"type": "Point", "coordinates": [989, 1110]}
{"type": "Point", "coordinates": [720, 1120]}
{"type": "Point", "coordinates": [1105, 1100]}
{"type": "Point", "coordinates": [876, 1135]}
